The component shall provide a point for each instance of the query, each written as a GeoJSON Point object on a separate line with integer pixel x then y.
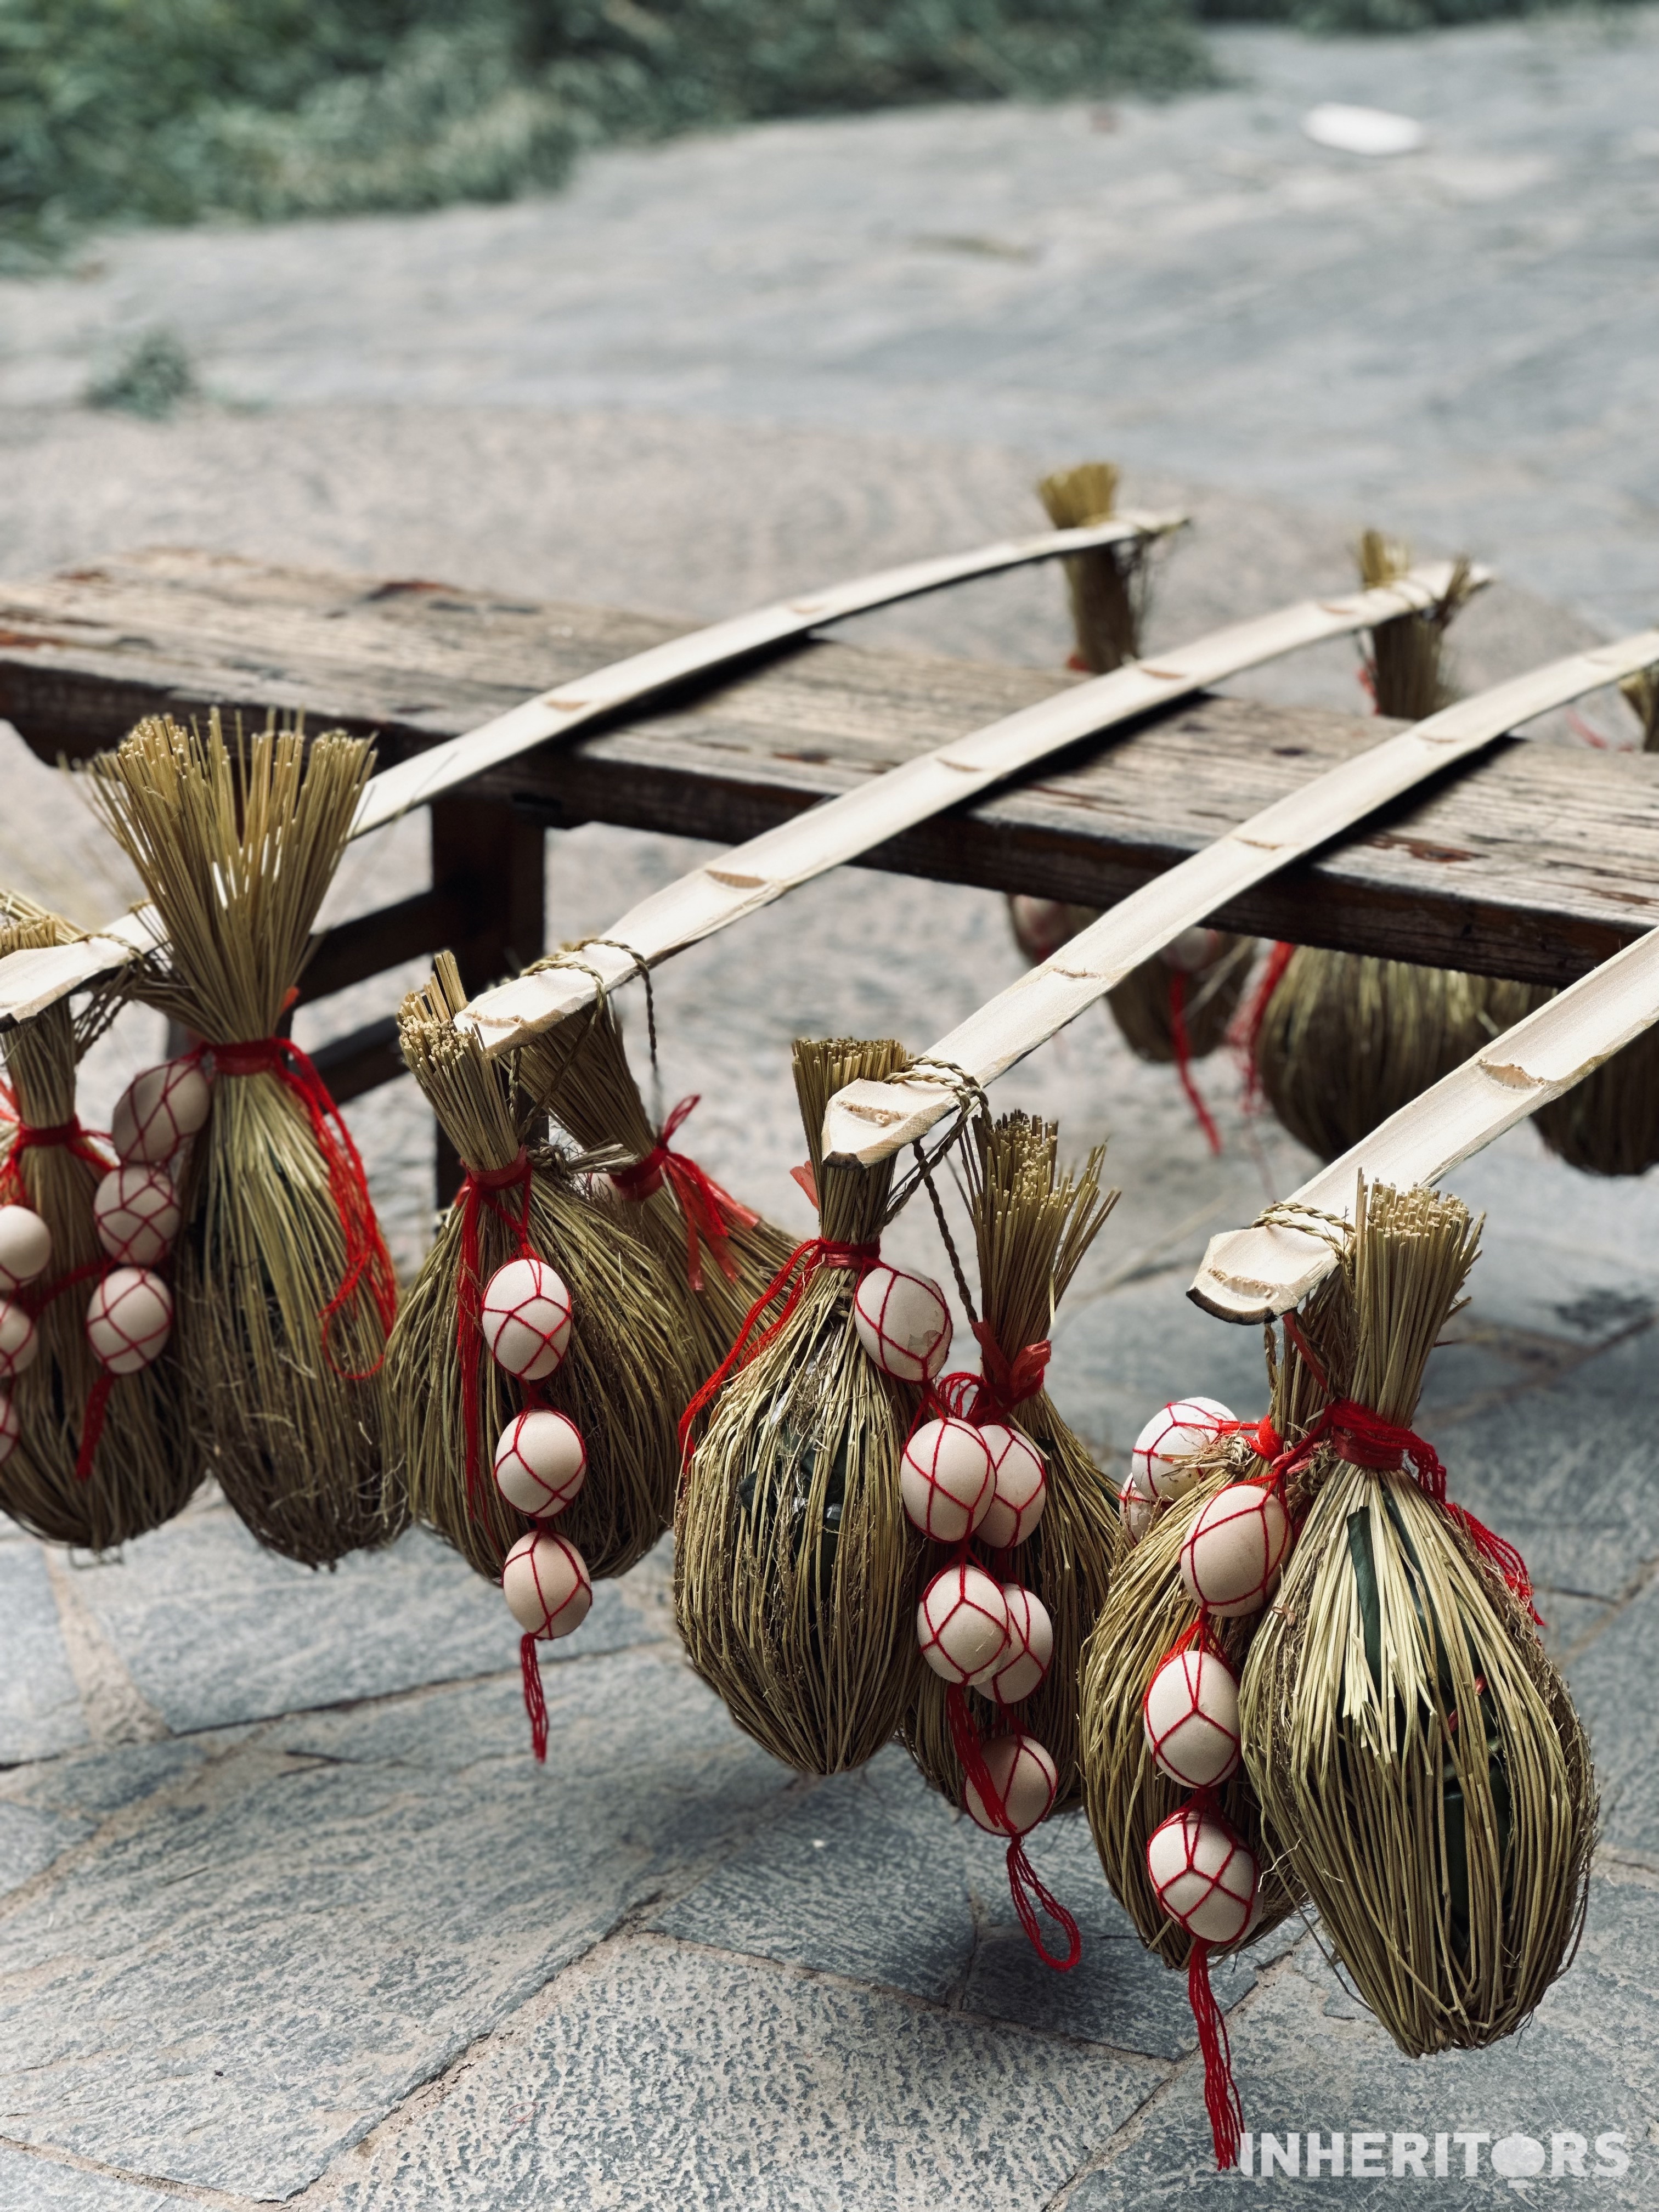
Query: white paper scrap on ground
{"type": "Point", "coordinates": [1368, 131]}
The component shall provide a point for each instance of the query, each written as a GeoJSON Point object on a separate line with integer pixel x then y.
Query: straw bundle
{"type": "Point", "coordinates": [1168, 1013]}
{"type": "Point", "coordinates": [1346, 1039]}
{"type": "Point", "coordinates": [1340, 1039]}
{"type": "Point", "coordinates": [1608, 1124]}
{"type": "Point", "coordinates": [145, 1463]}
{"type": "Point", "coordinates": [284, 1290]}
{"type": "Point", "coordinates": [1109, 588]}
{"type": "Point", "coordinates": [1410, 1744]}
{"type": "Point", "coordinates": [1126, 1794]}
{"type": "Point", "coordinates": [1168, 1010]}
{"type": "Point", "coordinates": [796, 1576]}
{"type": "Point", "coordinates": [714, 1256]}
{"type": "Point", "coordinates": [629, 1368]}
{"type": "Point", "coordinates": [1032, 1226]}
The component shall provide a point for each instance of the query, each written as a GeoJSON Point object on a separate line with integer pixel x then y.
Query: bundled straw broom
{"type": "Point", "coordinates": [144, 1463]}
{"type": "Point", "coordinates": [1127, 1794]}
{"type": "Point", "coordinates": [1608, 1124]}
{"type": "Point", "coordinates": [796, 1575]}
{"type": "Point", "coordinates": [285, 1292]}
{"type": "Point", "coordinates": [1339, 1041]}
{"type": "Point", "coordinates": [629, 1368]}
{"type": "Point", "coordinates": [1033, 1225]}
{"type": "Point", "coordinates": [1179, 1006]}
{"type": "Point", "coordinates": [715, 1256]}
{"type": "Point", "coordinates": [1412, 1748]}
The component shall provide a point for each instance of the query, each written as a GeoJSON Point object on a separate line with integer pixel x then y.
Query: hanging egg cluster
{"type": "Point", "coordinates": [541, 1461]}
{"type": "Point", "coordinates": [1205, 1877]}
{"type": "Point", "coordinates": [25, 1255]}
{"type": "Point", "coordinates": [136, 1213]}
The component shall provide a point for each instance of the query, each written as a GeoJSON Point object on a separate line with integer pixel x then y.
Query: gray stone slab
{"type": "Point", "coordinates": [91, 1784]}
{"type": "Point", "coordinates": [1306, 2057]}
{"type": "Point", "coordinates": [873, 1875]}
{"type": "Point", "coordinates": [1565, 1472]}
{"type": "Point", "coordinates": [31, 1839]}
{"type": "Point", "coordinates": [232, 1990]}
{"type": "Point", "coordinates": [40, 1705]}
{"type": "Point", "coordinates": [866, 1876]}
{"type": "Point", "coordinates": [1613, 1687]}
{"type": "Point", "coordinates": [661, 2076]}
{"type": "Point", "coordinates": [213, 1629]}
{"type": "Point", "coordinates": [28, 2183]}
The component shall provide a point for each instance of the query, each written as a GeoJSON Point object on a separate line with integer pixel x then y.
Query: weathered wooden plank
{"type": "Point", "coordinates": [1538, 863]}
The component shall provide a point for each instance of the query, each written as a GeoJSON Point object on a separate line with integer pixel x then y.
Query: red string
{"type": "Point", "coordinates": [1365, 1439]}
{"type": "Point", "coordinates": [790, 1283]}
{"type": "Point", "coordinates": [1221, 2098]}
{"type": "Point", "coordinates": [92, 1428]}
{"type": "Point", "coordinates": [1029, 1893]}
{"type": "Point", "coordinates": [1248, 1036]}
{"type": "Point", "coordinates": [992, 1395]}
{"type": "Point", "coordinates": [535, 1700]}
{"type": "Point", "coordinates": [367, 1260]}
{"type": "Point", "coordinates": [709, 1212]}
{"type": "Point", "coordinates": [70, 1135]}
{"type": "Point", "coordinates": [1183, 1057]}
{"type": "Point", "coordinates": [477, 1191]}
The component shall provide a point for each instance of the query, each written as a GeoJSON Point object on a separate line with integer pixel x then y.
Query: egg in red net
{"type": "Point", "coordinates": [526, 1319]}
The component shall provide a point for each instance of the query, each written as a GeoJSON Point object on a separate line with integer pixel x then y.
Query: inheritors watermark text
{"type": "Point", "coordinates": [1460, 2153]}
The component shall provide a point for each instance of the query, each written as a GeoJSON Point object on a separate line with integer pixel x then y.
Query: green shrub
{"type": "Point", "coordinates": [164, 111]}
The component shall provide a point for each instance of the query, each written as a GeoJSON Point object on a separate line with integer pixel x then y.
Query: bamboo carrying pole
{"type": "Point", "coordinates": [1252, 1274]}
{"type": "Point", "coordinates": [751, 876]}
{"type": "Point", "coordinates": [1178, 1007]}
{"type": "Point", "coordinates": [870, 1121]}
{"type": "Point", "coordinates": [30, 981]}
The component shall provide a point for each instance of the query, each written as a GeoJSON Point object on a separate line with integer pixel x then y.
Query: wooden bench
{"type": "Point", "coordinates": [1537, 863]}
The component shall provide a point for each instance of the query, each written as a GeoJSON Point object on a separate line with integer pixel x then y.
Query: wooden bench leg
{"type": "Point", "coordinates": [492, 861]}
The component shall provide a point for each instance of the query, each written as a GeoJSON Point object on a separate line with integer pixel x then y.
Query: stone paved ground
{"type": "Point", "coordinates": [286, 1913]}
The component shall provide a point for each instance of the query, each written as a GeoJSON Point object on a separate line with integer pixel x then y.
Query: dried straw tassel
{"type": "Point", "coordinates": [1608, 1124]}
{"type": "Point", "coordinates": [1177, 1007]}
{"type": "Point", "coordinates": [715, 1255]}
{"type": "Point", "coordinates": [1126, 1794]}
{"type": "Point", "coordinates": [796, 1574]}
{"type": "Point", "coordinates": [1033, 1225]}
{"type": "Point", "coordinates": [1108, 587]}
{"type": "Point", "coordinates": [284, 1290]}
{"type": "Point", "coordinates": [629, 1368]}
{"type": "Point", "coordinates": [146, 1461]}
{"type": "Point", "coordinates": [1412, 1748]}
{"type": "Point", "coordinates": [1339, 1041]}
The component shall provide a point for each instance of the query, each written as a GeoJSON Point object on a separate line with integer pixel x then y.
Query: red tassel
{"type": "Point", "coordinates": [92, 1427]}
{"type": "Point", "coordinates": [535, 1704]}
{"type": "Point", "coordinates": [1220, 2090]}
{"type": "Point", "coordinates": [1183, 1057]}
{"type": "Point", "coordinates": [1028, 1893]}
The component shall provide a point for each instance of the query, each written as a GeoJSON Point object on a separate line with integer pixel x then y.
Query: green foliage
{"type": "Point", "coordinates": [151, 378]}
{"type": "Point", "coordinates": [164, 111]}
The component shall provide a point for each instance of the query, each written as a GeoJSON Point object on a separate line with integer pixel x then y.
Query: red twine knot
{"type": "Point", "coordinates": [790, 1285]}
{"type": "Point", "coordinates": [710, 1214]}
{"type": "Point", "coordinates": [368, 1262]}
{"type": "Point", "coordinates": [1365, 1439]}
